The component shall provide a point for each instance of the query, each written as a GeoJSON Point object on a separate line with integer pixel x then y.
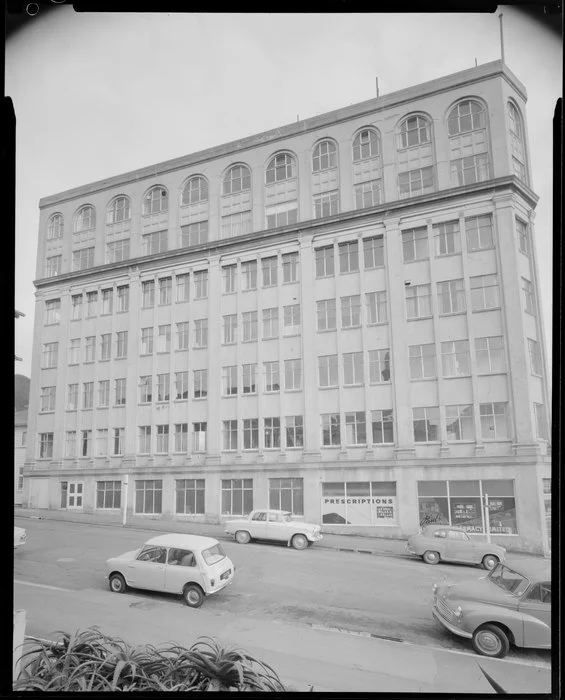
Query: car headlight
{"type": "Point", "coordinates": [434, 588]}
{"type": "Point", "coordinates": [458, 612]}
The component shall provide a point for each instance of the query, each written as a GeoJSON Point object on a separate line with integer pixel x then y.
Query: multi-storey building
{"type": "Point", "coordinates": [338, 317]}
{"type": "Point", "coordinates": [20, 440]}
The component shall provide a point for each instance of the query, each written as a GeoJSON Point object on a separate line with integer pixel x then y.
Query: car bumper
{"type": "Point", "coordinates": [217, 589]}
{"type": "Point", "coordinates": [454, 629]}
{"type": "Point", "coordinates": [409, 550]}
{"type": "Point", "coordinates": [315, 538]}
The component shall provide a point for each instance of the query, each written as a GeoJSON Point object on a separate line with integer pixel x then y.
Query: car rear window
{"type": "Point", "coordinates": [213, 555]}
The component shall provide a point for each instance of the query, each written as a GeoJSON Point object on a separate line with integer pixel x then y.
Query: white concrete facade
{"type": "Point", "coordinates": [367, 251]}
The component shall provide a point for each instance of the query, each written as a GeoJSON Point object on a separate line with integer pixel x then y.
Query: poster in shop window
{"type": "Point", "coordinates": [359, 510]}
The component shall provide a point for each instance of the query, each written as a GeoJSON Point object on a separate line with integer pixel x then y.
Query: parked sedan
{"type": "Point", "coordinates": [19, 537]}
{"type": "Point", "coordinates": [189, 565]}
{"type": "Point", "coordinates": [508, 606]}
{"type": "Point", "coordinates": [435, 543]}
{"type": "Point", "coordinates": [276, 525]}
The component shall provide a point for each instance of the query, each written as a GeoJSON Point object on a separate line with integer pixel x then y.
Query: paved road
{"type": "Point", "coordinates": [383, 596]}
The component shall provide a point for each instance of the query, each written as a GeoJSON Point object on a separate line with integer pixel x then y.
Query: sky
{"type": "Point", "coordinates": [99, 94]}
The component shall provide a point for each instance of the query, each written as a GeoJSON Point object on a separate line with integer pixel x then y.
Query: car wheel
{"type": "Point", "coordinates": [299, 542]}
{"type": "Point", "coordinates": [431, 557]}
{"type": "Point", "coordinates": [242, 537]}
{"type": "Point", "coordinates": [491, 640]}
{"type": "Point", "coordinates": [490, 561]}
{"type": "Point", "coordinates": [117, 583]}
{"type": "Point", "coordinates": [193, 595]}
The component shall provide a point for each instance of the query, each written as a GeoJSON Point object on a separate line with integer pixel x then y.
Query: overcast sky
{"type": "Point", "coordinates": [98, 94]}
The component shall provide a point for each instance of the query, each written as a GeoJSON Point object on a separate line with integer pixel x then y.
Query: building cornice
{"type": "Point", "coordinates": [269, 237]}
{"type": "Point", "coordinates": [377, 104]}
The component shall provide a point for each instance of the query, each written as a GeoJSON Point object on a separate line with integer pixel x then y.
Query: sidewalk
{"type": "Point", "coordinates": [350, 543]}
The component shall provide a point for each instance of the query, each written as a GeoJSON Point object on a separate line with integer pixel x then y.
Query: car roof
{"type": "Point", "coordinates": [533, 568]}
{"type": "Point", "coordinates": [181, 541]}
{"type": "Point", "coordinates": [269, 510]}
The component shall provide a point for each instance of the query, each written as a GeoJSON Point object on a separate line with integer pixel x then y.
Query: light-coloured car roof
{"type": "Point", "coordinates": [269, 510]}
{"type": "Point", "coordinates": [172, 539]}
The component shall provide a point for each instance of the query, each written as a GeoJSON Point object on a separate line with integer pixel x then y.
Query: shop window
{"type": "Point", "coordinates": [359, 503]}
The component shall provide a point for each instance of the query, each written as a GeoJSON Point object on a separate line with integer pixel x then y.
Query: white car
{"type": "Point", "coordinates": [275, 525]}
{"type": "Point", "coordinates": [19, 537]}
{"type": "Point", "coordinates": [190, 565]}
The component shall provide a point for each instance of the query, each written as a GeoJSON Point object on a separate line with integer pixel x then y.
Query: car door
{"type": "Point", "coordinates": [459, 547]}
{"type": "Point", "coordinates": [258, 525]}
{"type": "Point", "coordinates": [147, 571]}
{"type": "Point", "coordinates": [276, 528]}
{"type": "Point", "coordinates": [182, 567]}
{"type": "Point", "coordinates": [536, 604]}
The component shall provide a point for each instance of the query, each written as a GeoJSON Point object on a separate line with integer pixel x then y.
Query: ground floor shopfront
{"type": "Point", "coordinates": [379, 500]}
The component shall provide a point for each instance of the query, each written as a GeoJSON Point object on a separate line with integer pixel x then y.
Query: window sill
{"type": "Point", "coordinates": [426, 442]}
{"type": "Point", "coordinates": [295, 449]}
{"type": "Point", "coordinates": [461, 442]}
{"type": "Point", "coordinates": [71, 410]}
{"type": "Point", "coordinates": [231, 343]}
{"type": "Point", "coordinates": [271, 337]}
{"type": "Point", "coordinates": [332, 386]}
{"type": "Point", "coordinates": [423, 379]}
{"type": "Point", "coordinates": [104, 359]}
{"type": "Point", "coordinates": [377, 323]}
{"type": "Point", "coordinates": [182, 301]}
{"type": "Point", "coordinates": [419, 318]}
{"type": "Point", "coordinates": [227, 294]}
{"type": "Point", "coordinates": [491, 440]}
{"type": "Point", "coordinates": [199, 398]}
{"type": "Point", "coordinates": [348, 328]}
{"type": "Point", "coordinates": [181, 349]}
{"type": "Point", "coordinates": [452, 313]}
{"type": "Point", "coordinates": [290, 282]}
{"type": "Point", "coordinates": [457, 376]}
{"type": "Point", "coordinates": [490, 308]}
{"type": "Point", "coordinates": [479, 250]}
{"type": "Point", "coordinates": [249, 393]}
{"type": "Point", "coordinates": [229, 396]}
{"type": "Point", "coordinates": [55, 323]}
{"type": "Point", "coordinates": [119, 405]}
{"type": "Point", "coordinates": [326, 330]}
{"type": "Point", "coordinates": [380, 383]}
{"type": "Point", "coordinates": [88, 362]}
{"type": "Point", "coordinates": [275, 391]}
{"type": "Point", "coordinates": [251, 289]}
{"type": "Point", "coordinates": [177, 400]}
{"type": "Point", "coordinates": [199, 347]}
{"type": "Point", "coordinates": [122, 311]}
{"type": "Point", "coordinates": [46, 413]}
{"type": "Point", "coordinates": [293, 391]}
{"type": "Point", "coordinates": [352, 386]}
{"type": "Point", "coordinates": [439, 256]}
{"type": "Point", "coordinates": [294, 334]}
{"type": "Point", "coordinates": [163, 352]}
{"type": "Point", "coordinates": [248, 450]}
{"type": "Point", "coordinates": [121, 357]}
{"type": "Point", "coordinates": [249, 340]}
{"type": "Point", "coordinates": [492, 374]}
{"type": "Point", "coordinates": [383, 444]}
{"type": "Point", "coordinates": [407, 262]}
{"type": "Point", "coordinates": [102, 407]}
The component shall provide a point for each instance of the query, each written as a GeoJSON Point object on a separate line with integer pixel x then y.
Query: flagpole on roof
{"type": "Point", "coordinates": [501, 38]}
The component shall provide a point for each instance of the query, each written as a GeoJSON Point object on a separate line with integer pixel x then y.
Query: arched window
{"type": "Point", "coordinates": [156, 200]}
{"type": "Point", "coordinates": [237, 179]}
{"type": "Point", "coordinates": [281, 167]}
{"type": "Point", "coordinates": [414, 131]}
{"type": "Point", "coordinates": [517, 142]}
{"type": "Point", "coordinates": [195, 190]}
{"type": "Point", "coordinates": [468, 115]}
{"type": "Point", "coordinates": [55, 227]}
{"type": "Point", "coordinates": [85, 219]}
{"type": "Point", "coordinates": [119, 210]}
{"type": "Point", "coordinates": [365, 145]}
{"type": "Point", "coordinates": [324, 156]}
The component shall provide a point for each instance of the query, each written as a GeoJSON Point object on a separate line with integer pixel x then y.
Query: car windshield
{"type": "Point", "coordinates": [509, 580]}
{"type": "Point", "coordinates": [213, 555]}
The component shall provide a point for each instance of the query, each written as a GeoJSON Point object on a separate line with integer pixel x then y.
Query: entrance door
{"type": "Point", "coordinates": [72, 494]}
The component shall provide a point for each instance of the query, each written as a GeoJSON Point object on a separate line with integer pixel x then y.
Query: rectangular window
{"type": "Point", "coordinates": [447, 239]}
{"type": "Point", "coordinates": [250, 379]}
{"type": "Point", "coordinates": [352, 368]}
{"type": "Point", "coordinates": [229, 435]}
{"type": "Point", "coordinates": [541, 421]}
{"type": "Point", "coordinates": [45, 445]}
{"type": "Point", "coordinates": [326, 314]}
{"type": "Point", "coordinates": [528, 292]}
{"type": "Point", "coordinates": [181, 385]}
{"type": "Point", "coordinates": [290, 267]}
{"type": "Point", "coordinates": [189, 497]}
{"type": "Point", "coordinates": [459, 423]}
{"type": "Point", "coordinates": [294, 431]}
{"type": "Point", "coordinates": [331, 434]}
{"type": "Point", "coordinates": [382, 427]}
{"type": "Point", "coordinates": [201, 333]}
{"type": "Point", "coordinates": [249, 275]}
{"type": "Point", "coordinates": [163, 387]}
{"type": "Point", "coordinates": [376, 307]}
{"type": "Point", "coordinates": [414, 182]}
{"type": "Point", "coordinates": [490, 354]}
{"type": "Point", "coordinates": [494, 421]}
{"type": "Point", "coordinates": [287, 494]}
{"type": "Point", "coordinates": [272, 379]}
{"type": "Point", "coordinates": [53, 265]}
{"type": "Point", "coordinates": [152, 243]}
{"type": "Point", "coordinates": [325, 261]}
{"type": "Point", "coordinates": [249, 326]}
{"type": "Point", "coordinates": [165, 290]}
{"type": "Point", "coordinates": [426, 424]}
{"type": "Point", "coordinates": [52, 311]}
{"type": "Point", "coordinates": [88, 395]}
{"type": "Point", "coordinates": [85, 443]}
{"type": "Point", "coordinates": [201, 284]}
{"type": "Point", "coordinates": [327, 370]}
{"type": "Point", "coordinates": [270, 323]}
{"type": "Point", "coordinates": [148, 294]}
{"type": "Point", "coordinates": [351, 311]}
{"type": "Point", "coordinates": [455, 360]}
{"type": "Point", "coordinates": [108, 495]}
{"type": "Point", "coordinates": [374, 252]}
{"type": "Point", "coordinates": [230, 329]}
{"type": "Point", "coordinates": [146, 341]}
{"type": "Point", "coordinates": [200, 383]}
{"type": "Point", "coordinates": [47, 399]}
{"type": "Point", "coordinates": [523, 237]}
{"type": "Point", "coordinates": [72, 397]}
{"type": "Point", "coordinates": [120, 391]}
{"type": "Point", "coordinates": [348, 257]}
{"type": "Point", "coordinates": [236, 224]}
{"type": "Point", "coordinates": [237, 496]}
{"type": "Point", "coordinates": [91, 304]}
{"type": "Point", "coordinates": [272, 432]}
{"type": "Point", "coordinates": [107, 301]}
{"type": "Point", "coordinates": [415, 244]}
{"type": "Point", "coordinates": [485, 292]}
{"type": "Point", "coordinates": [250, 434]}
{"type": "Point", "coordinates": [418, 301]}
{"type": "Point", "coordinates": [103, 393]}
{"type": "Point", "coordinates": [479, 233]}
{"type": "Point", "coordinates": [76, 307]}
{"type": "Point", "coordinates": [291, 319]}
{"type": "Point", "coordinates": [326, 204]}
{"type": "Point", "coordinates": [89, 348]}
{"type": "Point", "coordinates": [102, 442]}
{"type": "Point", "coordinates": [269, 268]}
{"type": "Point", "coordinates": [122, 301]}
{"type": "Point", "coordinates": [355, 428]}
{"type": "Point", "coordinates": [145, 439]}
{"type": "Point", "coordinates": [292, 374]}
{"type": "Point", "coordinates": [105, 346]}
{"type": "Point", "coordinates": [379, 366]}
{"type": "Point", "coordinates": [282, 214]}
{"type": "Point", "coordinates": [70, 444]}
{"type": "Point", "coordinates": [229, 380]}
{"type": "Point", "coordinates": [148, 496]}
{"type": "Point", "coordinates": [194, 234]}
{"type": "Point", "coordinates": [229, 279]}
{"type": "Point", "coordinates": [83, 259]}
{"type": "Point", "coordinates": [145, 389]}
{"type": "Point", "coordinates": [162, 439]}
{"type": "Point", "coordinates": [451, 297]}
{"type": "Point", "coordinates": [182, 335]}
{"type": "Point", "coordinates": [74, 351]}
{"type": "Point", "coordinates": [164, 338]}
{"type": "Point", "coordinates": [183, 287]}
{"type": "Point", "coordinates": [468, 170]}
{"type": "Point", "coordinates": [118, 251]}
{"type": "Point", "coordinates": [368, 194]}
{"type": "Point", "coordinates": [199, 437]}
{"type": "Point", "coordinates": [51, 355]}
{"type": "Point", "coordinates": [121, 344]}
{"type": "Point", "coordinates": [534, 351]}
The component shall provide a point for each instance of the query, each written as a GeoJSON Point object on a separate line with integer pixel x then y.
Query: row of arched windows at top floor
{"type": "Point", "coordinates": [416, 130]}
